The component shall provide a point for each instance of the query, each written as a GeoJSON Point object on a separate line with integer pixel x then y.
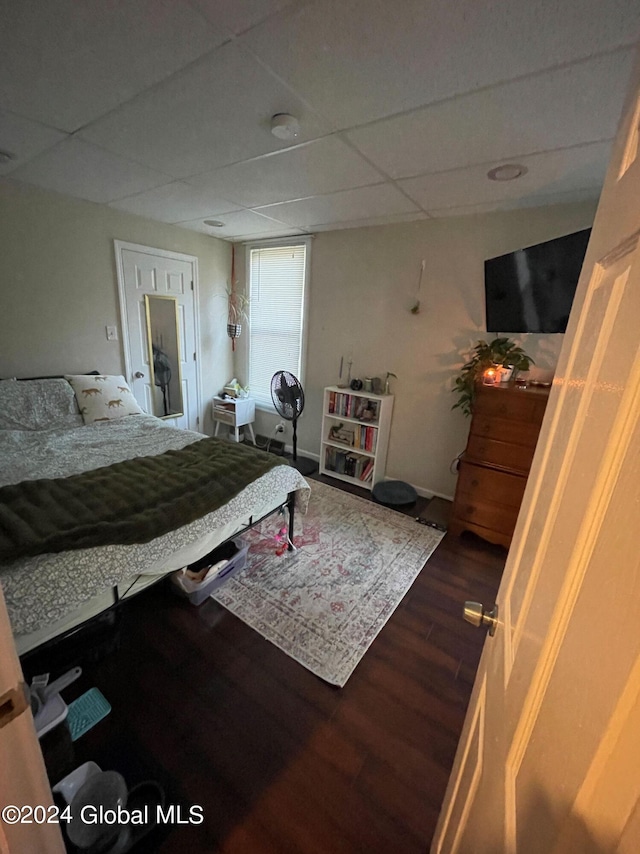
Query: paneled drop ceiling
{"type": "Point", "coordinates": [162, 108]}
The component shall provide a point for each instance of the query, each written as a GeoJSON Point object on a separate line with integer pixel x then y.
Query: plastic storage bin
{"type": "Point", "coordinates": [234, 551]}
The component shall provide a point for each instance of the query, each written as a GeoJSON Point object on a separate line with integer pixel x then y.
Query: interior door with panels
{"type": "Point", "coordinates": [145, 271]}
{"type": "Point", "coordinates": [548, 759]}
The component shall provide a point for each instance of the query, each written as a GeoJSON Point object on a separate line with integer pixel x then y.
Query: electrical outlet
{"type": "Point", "coordinates": [280, 427]}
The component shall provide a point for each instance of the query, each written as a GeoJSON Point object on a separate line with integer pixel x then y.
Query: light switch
{"type": "Point", "coordinates": [112, 333]}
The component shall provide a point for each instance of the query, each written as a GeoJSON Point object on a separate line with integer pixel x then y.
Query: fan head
{"type": "Point", "coordinates": [287, 395]}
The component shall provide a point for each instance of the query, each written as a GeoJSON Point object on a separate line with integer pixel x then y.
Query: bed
{"type": "Point", "coordinates": [43, 435]}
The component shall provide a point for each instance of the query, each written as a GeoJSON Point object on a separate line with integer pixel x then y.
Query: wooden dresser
{"type": "Point", "coordinates": [495, 465]}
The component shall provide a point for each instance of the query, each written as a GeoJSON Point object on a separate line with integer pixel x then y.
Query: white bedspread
{"type": "Point", "coordinates": [43, 589]}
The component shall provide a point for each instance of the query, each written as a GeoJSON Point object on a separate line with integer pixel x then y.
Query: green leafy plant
{"type": "Point", "coordinates": [238, 305]}
{"type": "Point", "coordinates": [237, 311]}
{"type": "Point", "coordinates": [499, 352]}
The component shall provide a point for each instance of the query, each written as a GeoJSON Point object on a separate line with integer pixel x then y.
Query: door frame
{"type": "Point", "coordinates": [118, 246]}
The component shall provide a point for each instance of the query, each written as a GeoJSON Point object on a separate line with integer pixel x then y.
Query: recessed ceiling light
{"type": "Point", "coordinates": [507, 172]}
{"type": "Point", "coordinates": [6, 157]}
{"type": "Point", "coordinates": [214, 223]}
{"type": "Point", "coordinates": [285, 126]}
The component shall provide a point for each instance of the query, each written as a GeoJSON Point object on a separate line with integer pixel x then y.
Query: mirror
{"type": "Point", "coordinates": [164, 365]}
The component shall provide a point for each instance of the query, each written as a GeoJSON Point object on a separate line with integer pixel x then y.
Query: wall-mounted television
{"type": "Point", "coordinates": [532, 289]}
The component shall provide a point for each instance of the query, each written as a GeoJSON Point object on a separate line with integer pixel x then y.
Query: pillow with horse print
{"type": "Point", "coordinates": [103, 398]}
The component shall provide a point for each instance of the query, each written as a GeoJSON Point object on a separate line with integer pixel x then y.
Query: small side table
{"type": "Point", "coordinates": [236, 413]}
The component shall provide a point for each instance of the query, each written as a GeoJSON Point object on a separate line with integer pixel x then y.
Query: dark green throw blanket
{"type": "Point", "coordinates": [129, 502]}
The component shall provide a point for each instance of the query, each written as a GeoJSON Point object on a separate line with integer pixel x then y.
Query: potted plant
{"type": "Point", "coordinates": [501, 352]}
{"type": "Point", "coordinates": [237, 305]}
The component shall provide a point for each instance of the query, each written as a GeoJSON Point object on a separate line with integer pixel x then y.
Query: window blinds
{"type": "Point", "coordinates": [276, 310]}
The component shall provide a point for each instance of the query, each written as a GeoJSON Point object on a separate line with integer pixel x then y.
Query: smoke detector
{"type": "Point", "coordinates": [214, 223]}
{"type": "Point", "coordinates": [507, 172]}
{"type": "Point", "coordinates": [285, 126]}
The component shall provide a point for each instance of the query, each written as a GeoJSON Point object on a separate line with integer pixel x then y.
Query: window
{"type": "Point", "coordinates": [277, 276]}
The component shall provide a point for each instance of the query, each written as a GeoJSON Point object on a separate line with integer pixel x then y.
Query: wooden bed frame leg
{"type": "Point", "coordinates": [291, 506]}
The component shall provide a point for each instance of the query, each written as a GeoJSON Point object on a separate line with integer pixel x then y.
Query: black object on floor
{"type": "Point", "coordinates": [437, 514]}
{"type": "Point", "coordinates": [304, 465]}
{"type": "Point", "coordinates": [394, 493]}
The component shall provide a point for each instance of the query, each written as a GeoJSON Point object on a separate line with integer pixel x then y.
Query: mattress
{"type": "Point", "coordinates": [43, 590]}
{"type": "Point", "coordinates": [135, 584]}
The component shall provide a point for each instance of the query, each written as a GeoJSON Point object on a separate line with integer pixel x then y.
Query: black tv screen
{"type": "Point", "coordinates": [532, 290]}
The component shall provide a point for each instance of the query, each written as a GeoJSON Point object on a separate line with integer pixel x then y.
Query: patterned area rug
{"type": "Point", "coordinates": [325, 603]}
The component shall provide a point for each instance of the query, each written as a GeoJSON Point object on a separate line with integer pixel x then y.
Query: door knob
{"type": "Point", "coordinates": [139, 375]}
{"type": "Point", "coordinates": [475, 614]}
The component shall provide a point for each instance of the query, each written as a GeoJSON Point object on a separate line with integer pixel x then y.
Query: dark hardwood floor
{"type": "Point", "coordinates": [279, 760]}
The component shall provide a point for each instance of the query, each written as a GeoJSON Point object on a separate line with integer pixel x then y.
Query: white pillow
{"type": "Point", "coordinates": [103, 398]}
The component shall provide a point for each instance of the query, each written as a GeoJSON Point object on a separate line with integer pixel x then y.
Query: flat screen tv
{"type": "Point", "coordinates": [532, 290]}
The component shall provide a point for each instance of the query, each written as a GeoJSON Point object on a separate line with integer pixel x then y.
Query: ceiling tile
{"type": "Point", "coordinates": [24, 139]}
{"type": "Point", "coordinates": [78, 169]}
{"type": "Point", "coordinates": [185, 89]}
{"type": "Point", "coordinates": [360, 60]}
{"type": "Point", "coordinates": [216, 112]}
{"type": "Point", "coordinates": [557, 109]}
{"type": "Point", "coordinates": [534, 201]}
{"type": "Point", "coordinates": [239, 222]}
{"type": "Point", "coordinates": [65, 63]}
{"type": "Point", "coordinates": [174, 202]}
{"type": "Point", "coordinates": [235, 16]}
{"type": "Point", "coordinates": [363, 203]}
{"type": "Point", "coordinates": [318, 167]}
{"type": "Point", "coordinates": [554, 172]}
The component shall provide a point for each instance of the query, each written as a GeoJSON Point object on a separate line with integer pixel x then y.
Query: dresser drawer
{"type": "Point", "coordinates": [503, 454]}
{"type": "Point", "coordinates": [489, 485]}
{"type": "Point", "coordinates": [503, 430]}
{"type": "Point", "coordinates": [514, 404]}
{"type": "Point", "coordinates": [492, 517]}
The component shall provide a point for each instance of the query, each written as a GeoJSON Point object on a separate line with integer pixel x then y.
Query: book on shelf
{"type": "Point", "coordinates": [354, 406]}
{"type": "Point", "coordinates": [367, 472]}
{"type": "Point", "coordinates": [347, 463]}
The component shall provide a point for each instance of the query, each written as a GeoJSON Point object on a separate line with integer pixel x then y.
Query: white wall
{"type": "Point", "coordinates": [363, 284]}
{"type": "Point", "coordinates": [59, 289]}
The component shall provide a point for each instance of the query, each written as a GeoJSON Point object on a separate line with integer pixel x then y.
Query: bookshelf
{"type": "Point", "coordinates": [355, 435]}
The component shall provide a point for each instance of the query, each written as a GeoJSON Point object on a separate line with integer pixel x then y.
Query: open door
{"type": "Point", "coordinates": [158, 293]}
{"type": "Point", "coordinates": [549, 757]}
{"type": "Point", "coordinates": [23, 779]}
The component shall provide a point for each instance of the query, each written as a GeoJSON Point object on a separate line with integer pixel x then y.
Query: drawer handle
{"type": "Point", "coordinates": [470, 510]}
{"type": "Point", "coordinates": [475, 482]}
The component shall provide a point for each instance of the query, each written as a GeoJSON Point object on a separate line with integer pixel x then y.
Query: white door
{"type": "Point", "coordinates": [144, 270]}
{"type": "Point", "coordinates": [549, 759]}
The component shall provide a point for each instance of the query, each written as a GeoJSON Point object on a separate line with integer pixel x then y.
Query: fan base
{"type": "Point", "coordinates": [304, 465]}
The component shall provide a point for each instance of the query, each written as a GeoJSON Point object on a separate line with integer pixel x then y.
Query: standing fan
{"type": "Point", "coordinates": [288, 399]}
{"type": "Point", "coordinates": [162, 376]}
